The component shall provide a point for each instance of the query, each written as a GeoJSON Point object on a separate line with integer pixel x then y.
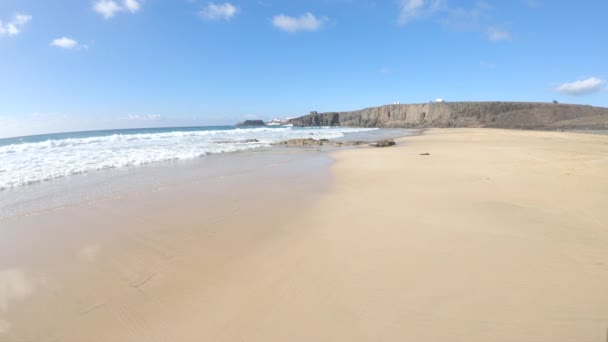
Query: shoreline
{"type": "Point", "coordinates": [38, 159]}
{"type": "Point", "coordinates": [59, 265]}
{"type": "Point", "coordinates": [91, 186]}
{"type": "Point", "coordinates": [110, 184]}
{"type": "Point", "coordinates": [496, 235]}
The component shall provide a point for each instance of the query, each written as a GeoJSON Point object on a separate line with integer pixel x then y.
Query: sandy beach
{"type": "Point", "coordinates": [496, 235]}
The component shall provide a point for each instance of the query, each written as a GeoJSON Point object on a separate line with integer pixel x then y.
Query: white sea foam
{"type": "Point", "coordinates": [26, 163]}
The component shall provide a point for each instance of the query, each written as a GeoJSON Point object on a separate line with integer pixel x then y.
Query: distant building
{"type": "Point", "coordinates": [279, 122]}
{"type": "Point", "coordinates": [396, 102]}
{"type": "Point", "coordinates": [440, 100]}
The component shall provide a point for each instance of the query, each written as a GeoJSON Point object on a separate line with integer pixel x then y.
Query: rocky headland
{"type": "Point", "coordinates": [250, 123]}
{"type": "Point", "coordinates": [520, 115]}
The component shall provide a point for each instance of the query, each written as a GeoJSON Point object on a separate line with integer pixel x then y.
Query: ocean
{"type": "Point", "coordinates": [48, 172]}
{"type": "Point", "coordinates": [34, 159]}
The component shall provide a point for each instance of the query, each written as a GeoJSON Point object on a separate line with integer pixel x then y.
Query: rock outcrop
{"type": "Point", "coordinates": [326, 142]}
{"type": "Point", "coordinates": [251, 123]}
{"type": "Point", "coordinates": [242, 141]}
{"type": "Point", "coordinates": [523, 115]}
{"type": "Point", "coordinates": [317, 142]}
{"type": "Point", "coordinates": [384, 143]}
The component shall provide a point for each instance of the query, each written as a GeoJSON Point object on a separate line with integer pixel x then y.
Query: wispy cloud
{"type": "Point", "coordinates": [109, 8]}
{"type": "Point", "coordinates": [215, 12]}
{"type": "Point", "coordinates": [410, 10]}
{"type": "Point", "coordinates": [494, 34]}
{"type": "Point", "coordinates": [580, 87]}
{"type": "Point", "coordinates": [67, 43]}
{"type": "Point", "coordinates": [476, 18]}
{"type": "Point", "coordinates": [13, 27]}
{"type": "Point", "coordinates": [465, 19]}
{"type": "Point", "coordinates": [533, 3]}
{"type": "Point", "coordinates": [386, 71]}
{"type": "Point", "coordinates": [305, 22]}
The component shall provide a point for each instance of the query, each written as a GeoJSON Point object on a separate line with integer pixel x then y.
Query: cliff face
{"type": "Point", "coordinates": [466, 114]}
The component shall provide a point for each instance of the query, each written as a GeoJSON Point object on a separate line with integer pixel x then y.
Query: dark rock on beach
{"type": "Point", "coordinates": [326, 142]}
{"type": "Point", "coordinates": [383, 143]}
{"type": "Point", "coordinates": [243, 141]}
{"type": "Point", "coordinates": [309, 142]}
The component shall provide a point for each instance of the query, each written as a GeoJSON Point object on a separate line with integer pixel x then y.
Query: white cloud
{"type": "Point", "coordinates": [496, 35]}
{"type": "Point", "coordinates": [14, 26]}
{"type": "Point", "coordinates": [21, 19]}
{"type": "Point", "coordinates": [109, 8]}
{"type": "Point", "coordinates": [64, 43]}
{"type": "Point", "coordinates": [581, 87]}
{"type": "Point", "coordinates": [305, 22]}
{"type": "Point", "coordinates": [132, 5]}
{"type": "Point", "coordinates": [215, 11]}
{"type": "Point", "coordinates": [410, 10]}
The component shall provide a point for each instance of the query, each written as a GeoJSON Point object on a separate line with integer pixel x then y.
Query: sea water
{"type": "Point", "coordinates": [48, 172]}
{"type": "Point", "coordinates": [33, 159]}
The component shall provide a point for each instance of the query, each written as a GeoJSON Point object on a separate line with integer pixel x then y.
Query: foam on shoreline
{"type": "Point", "coordinates": [24, 163]}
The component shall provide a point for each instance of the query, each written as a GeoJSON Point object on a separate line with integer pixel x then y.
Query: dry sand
{"type": "Point", "coordinates": [495, 236]}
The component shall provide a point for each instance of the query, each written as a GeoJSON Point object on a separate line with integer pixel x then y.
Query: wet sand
{"type": "Point", "coordinates": [101, 258]}
{"type": "Point", "coordinates": [495, 236]}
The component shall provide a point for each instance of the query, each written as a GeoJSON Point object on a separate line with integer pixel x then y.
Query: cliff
{"type": "Point", "coordinates": [523, 115]}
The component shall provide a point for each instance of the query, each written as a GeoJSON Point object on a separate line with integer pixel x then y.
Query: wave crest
{"type": "Point", "coordinates": [27, 163]}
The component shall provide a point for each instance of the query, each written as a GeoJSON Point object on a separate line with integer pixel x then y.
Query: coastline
{"type": "Point", "coordinates": [113, 184]}
{"type": "Point", "coordinates": [496, 235]}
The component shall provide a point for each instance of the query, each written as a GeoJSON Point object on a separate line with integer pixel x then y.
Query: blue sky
{"type": "Point", "coordinates": [87, 64]}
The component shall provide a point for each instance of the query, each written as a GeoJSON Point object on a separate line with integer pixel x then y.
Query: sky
{"type": "Point", "coordinates": [68, 65]}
